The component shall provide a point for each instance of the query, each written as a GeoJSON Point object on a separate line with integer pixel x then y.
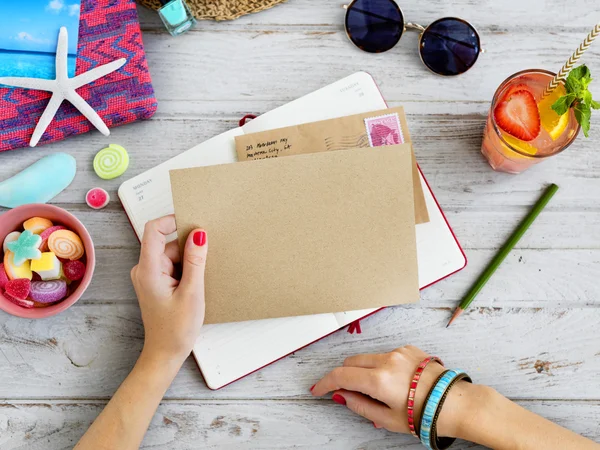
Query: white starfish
{"type": "Point", "coordinates": [63, 88]}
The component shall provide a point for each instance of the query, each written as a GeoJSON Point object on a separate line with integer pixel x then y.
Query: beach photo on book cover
{"type": "Point", "coordinates": [29, 34]}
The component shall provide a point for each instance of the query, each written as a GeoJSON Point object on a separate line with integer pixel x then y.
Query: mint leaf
{"type": "Point", "coordinates": [562, 105]}
{"type": "Point", "coordinates": [579, 79]}
{"type": "Point", "coordinates": [583, 113]}
{"type": "Point", "coordinates": [573, 85]}
{"type": "Point", "coordinates": [578, 97]}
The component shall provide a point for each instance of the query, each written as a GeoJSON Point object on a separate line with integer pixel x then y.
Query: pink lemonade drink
{"type": "Point", "coordinates": [522, 129]}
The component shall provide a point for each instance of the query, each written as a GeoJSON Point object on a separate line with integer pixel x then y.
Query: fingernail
{"type": "Point", "coordinates": [374, 424]}
{"type": "Point", "coordinates": [200, 238]}
{"type": "Point", "coordinates": [338, 399]}
{"type": "Point", "coordinates": [313, 386]}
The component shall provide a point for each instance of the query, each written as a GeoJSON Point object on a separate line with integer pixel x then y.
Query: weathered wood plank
{"type": "Point", "coordinates": [281, 64]}
{"type": "Point", "coordinates": [524, 353]}
{"type": "Point", "coordinates": [508, 15]}
{"type": "Point", "coordinates": [528, 278]}
{"type": "Point", "coordinates": [245, 425]}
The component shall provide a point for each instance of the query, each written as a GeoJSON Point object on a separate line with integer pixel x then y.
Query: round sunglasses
{"type": "Point", "coordinates": [449, 46]}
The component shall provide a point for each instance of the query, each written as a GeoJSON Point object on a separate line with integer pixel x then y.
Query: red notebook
{"type": "Point", "coordinates": [108, 30]}
{"type": "Point", "coordinates": [228, 352]}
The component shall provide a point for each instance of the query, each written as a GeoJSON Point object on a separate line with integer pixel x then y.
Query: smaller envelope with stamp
{"type": "Point", "coordinates": [372, 129]}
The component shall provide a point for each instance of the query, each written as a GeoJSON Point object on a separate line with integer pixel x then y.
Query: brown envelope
{"type": "Point", "coordinates": [335, 134]}
{"type": "Point", "coordinates": [309, 234]}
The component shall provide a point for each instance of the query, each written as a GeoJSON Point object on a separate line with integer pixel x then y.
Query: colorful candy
{"type": "Point", "coordinates": [46, 234]}
{"type": "Point", "coordinates": [48, 291]}
{"type": "Point", "coordinates": [74, 270]}
{"type": "Point", "coordinates": [37, 224]}
{"type": "Point", "coordinates": [13, 271]}
{"type": "Point", "coordinates": [3, 276]}
{"type": "Point", "coordinates": [18, 288]}
{"type": "Point", "coordinates": [111, 162]}
{"type": "Point", "coordinates": [66, 244]}
{"type": "Point", "coordinates": [10, 237]}
{"type": "Point", "coordinates": [41, 305]}
{"type": "Point", "coordinates": [97, 198]}
{"type": "Point", "coordinates": [26, 247]}
{"type": "Point", "coordinates": [48, 267]}
{"type": "Point", "coordinates": [17, 301]}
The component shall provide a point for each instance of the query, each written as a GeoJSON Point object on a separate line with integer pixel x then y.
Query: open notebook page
{"type": "Point", "coordinates": [148, 196]}
{"type": "Point", "coordinates": [226, 352]}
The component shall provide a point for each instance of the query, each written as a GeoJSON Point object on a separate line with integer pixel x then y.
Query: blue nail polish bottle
{"type": "Point", "coordinates": [176, 16]}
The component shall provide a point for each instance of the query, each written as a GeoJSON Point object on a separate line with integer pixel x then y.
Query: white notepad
{"type": "Point", "coordinates": [227, 352]}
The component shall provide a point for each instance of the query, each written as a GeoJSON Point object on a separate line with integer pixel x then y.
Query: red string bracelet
{"type": "Point", "coordinates": [413, 390]}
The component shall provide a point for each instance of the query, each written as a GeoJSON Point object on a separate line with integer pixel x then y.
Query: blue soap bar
{"type": "Point", "coordinates": [40, 182]}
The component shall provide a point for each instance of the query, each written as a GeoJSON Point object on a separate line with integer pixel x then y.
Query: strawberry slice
{"type": "Point", "coordinates": [511, 90]}
{"type": "Point", "coordinates": [518, 115]}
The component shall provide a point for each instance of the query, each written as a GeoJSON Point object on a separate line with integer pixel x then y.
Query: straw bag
{"type": "Point", "coordinates": [220, 9]}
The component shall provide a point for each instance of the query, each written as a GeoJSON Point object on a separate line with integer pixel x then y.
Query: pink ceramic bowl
{"type": "Point", "coordinates": [13, 219]}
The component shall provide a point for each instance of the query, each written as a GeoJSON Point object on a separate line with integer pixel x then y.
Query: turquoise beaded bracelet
{"type": "Point", "coordinates": [434, 402]}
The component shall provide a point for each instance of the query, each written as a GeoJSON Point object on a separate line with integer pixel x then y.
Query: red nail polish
{"type": "Point", "coordinates": [338, 399]}
{"type": "Point", "coordinates": [200, 238]}
{"type": "Point", "coordinates": [374, 424]}
{"type": "Point", "coordinates": [313, 386]}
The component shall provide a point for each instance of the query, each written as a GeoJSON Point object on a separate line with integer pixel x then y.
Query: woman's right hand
{"type": "Point", "coordinates": [172, 309]}
{"type": "Point", "coordinates": [376, 387]}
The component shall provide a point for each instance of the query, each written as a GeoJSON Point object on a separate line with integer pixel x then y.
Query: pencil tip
{"type": "Point", "coordinates": [457, 312]}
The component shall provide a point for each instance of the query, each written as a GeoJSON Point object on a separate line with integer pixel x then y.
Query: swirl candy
{"type": "Point", "coordinates": [48, 291]}
{"type": "Point", "coordinates": [111, 162]}
{"type": "Point", "coordinates": [46, 234]}
{"type": "Point", "coordinates": [37, 225]}
{"type": "Point", "coordinates": [66, 244]}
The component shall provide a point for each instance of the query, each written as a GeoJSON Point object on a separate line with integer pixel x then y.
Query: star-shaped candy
{"type": "Point", "coordinates": [63, 88]}
{"type": "Point", "coordinates": [26, 247]}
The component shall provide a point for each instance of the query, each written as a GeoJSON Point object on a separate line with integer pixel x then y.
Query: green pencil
{"type": "Point", "coordinates": [504, 251]}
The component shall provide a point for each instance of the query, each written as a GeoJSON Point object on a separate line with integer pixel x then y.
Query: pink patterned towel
{"type": "Point", "coordinates": [109, 30]}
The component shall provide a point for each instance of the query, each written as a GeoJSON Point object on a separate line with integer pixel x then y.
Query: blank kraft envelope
{"type": "Point", "coordinates": [306, 234]}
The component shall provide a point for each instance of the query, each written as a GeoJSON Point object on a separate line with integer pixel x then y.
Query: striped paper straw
{"type": "Point", "coordinates": [564, 71]}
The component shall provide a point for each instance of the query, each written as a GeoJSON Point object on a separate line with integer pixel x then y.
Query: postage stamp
{"type": "Point", "coordinates": [384, 130]}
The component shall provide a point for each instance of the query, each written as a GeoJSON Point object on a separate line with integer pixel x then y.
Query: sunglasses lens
{"type": "Point", "coordinates": [374, 25]}
{"type": "Point", "coordinates": [450, 46]}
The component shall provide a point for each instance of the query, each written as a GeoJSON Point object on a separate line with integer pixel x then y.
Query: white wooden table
{"type": "Point", "coordinates": [533, 333]}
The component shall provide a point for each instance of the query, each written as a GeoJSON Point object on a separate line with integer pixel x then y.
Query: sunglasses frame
{"type": "Point", "coordinates": [421, 29]}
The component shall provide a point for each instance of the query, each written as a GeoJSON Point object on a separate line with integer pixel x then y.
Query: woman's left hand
{"type": "Point", "coordinates": [172, 310]}
{"type": "Point", "coordinates": [376, 387]}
